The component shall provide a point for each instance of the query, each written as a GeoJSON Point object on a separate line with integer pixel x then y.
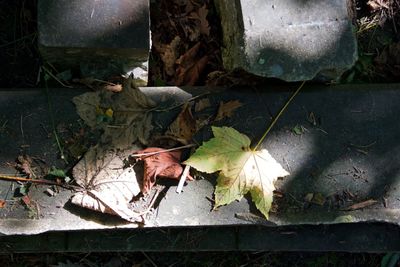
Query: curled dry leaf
{"type": "Point", "coordinates": [131, 119]}
{"type": "Point", "coordinates": [227, 109]}
{"type": "Point", "coordinates": [169, 53]}
{"type": "Point", "coordinates": [108, 187]}
{"type": "Point", "coordinates": [183, 127]}
{"type": "Point", "coordinates": [165, 164]}
{"type": "Point", "coordinates": [190, 66]}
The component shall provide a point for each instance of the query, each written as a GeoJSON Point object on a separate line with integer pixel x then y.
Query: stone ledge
{"type": "Point", "coordinates": [288, 39]}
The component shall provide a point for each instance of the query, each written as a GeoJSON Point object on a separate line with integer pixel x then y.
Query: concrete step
{"type": "Point", "coordinates": [103, 38]}
{"type": "Point", "coordinates": [346, 155]}
{"type": "Point", "coordinates": [288, 39]}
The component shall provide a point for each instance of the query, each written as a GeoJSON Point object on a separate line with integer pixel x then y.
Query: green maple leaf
{"type": "Point", "coordinates": [241, 169]}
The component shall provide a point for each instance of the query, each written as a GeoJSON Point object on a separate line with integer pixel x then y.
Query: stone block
{"type": "Point", "coordinates": [102, 37]}
{"type": "Point", "coordinates": [292, 40]}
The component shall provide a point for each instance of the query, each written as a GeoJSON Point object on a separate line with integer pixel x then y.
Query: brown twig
{"type": "Point", "coordinates": [37, 181]}
{"type": "Point", "coordinates": [151, 203]}
{"type": "Point", "coordinates": [163, 151]}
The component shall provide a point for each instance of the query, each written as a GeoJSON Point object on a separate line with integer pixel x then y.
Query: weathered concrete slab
{"type": "Point", "coordinates": [347, 154]}
{"type": "Point", "coordinates": [288, 39]}
{"type": "Point", "coordinates": [102, 37]}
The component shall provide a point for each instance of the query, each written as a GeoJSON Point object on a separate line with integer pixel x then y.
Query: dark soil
{"type": "Point", "coordinates": [18, 49]}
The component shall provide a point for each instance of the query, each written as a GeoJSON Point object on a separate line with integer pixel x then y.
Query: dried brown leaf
{"type": "Point", "coordinates": [227, 109]}
{"type": "Point", "coordinates": [169, 53]}
{"type": "Point", "coordinates": [162, 165]}
{"type": "Point", "coordinates": [108, 187]}
{"type": "Point", "coordinates": [361, 205]}
{"type": "Point", "coordinates": [202, 104]}
{"type": "Point", "coordinates": [2, 203]}
{"type": "Point", "coordinates": [24, 165]}
{"type": "Point", "coordinates": [375, 5]}
{"type": "Point", "coordinates": [201, 15]}
{"type": "Point", "coordinates": [183, 127]}
{"type": "Point", "coordinates": [131, 121]}
{"type": "Point", "coordinates": [190, 66]}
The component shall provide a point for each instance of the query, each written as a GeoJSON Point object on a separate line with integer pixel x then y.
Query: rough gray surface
{"type": "Point", "coordinates": [349, 155]}
{"type": "Point", "coordinates": [288, 39]}
{"type": "Point", "coordinates": [102, 37]}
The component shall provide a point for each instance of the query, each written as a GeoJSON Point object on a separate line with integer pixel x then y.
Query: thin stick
{"type": "Point", "coordinates": [37, 181]}
{"type": "Point", "coordinates": [278, 116]}
{"type": "Point", "coordinates": [183, 179]}
{"type": "Point", "coordinates": [17, 40]}
{"type": "Point", "coordinates": [149, 259]}
{"type": "Point", "coordinates": [22, 128]}
{"type": "Point", "coordinates": [162, 151]}
{"type": "Point", "coordinates": [55, 78]}
{"type": "Point", "coordinates": [153, 200]}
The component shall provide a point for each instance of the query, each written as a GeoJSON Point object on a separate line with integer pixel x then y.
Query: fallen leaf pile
{"type": "Point", "coordinates": [125, 117]}
{"type": "Point", "coordinates": [184, 42]}
{"type": "Point", "coordinates": [107, 186]}
{"type": "Point", "coordinates": [241, 170]}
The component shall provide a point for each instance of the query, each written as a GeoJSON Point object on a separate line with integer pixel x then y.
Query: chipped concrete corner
{"type": "Point", "coordinates": [287, 39]}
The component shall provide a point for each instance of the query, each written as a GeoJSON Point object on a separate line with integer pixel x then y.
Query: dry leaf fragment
{"type": "Point", "coordinates": [131, 120]}
{"type": "Point", "coordinates": [201, 15]}
{"type": "Point", "coordinates": [2, 203]}
{"type": "Point", "coordinates": [202, 104]}
{"type": "Point", "coordinates": [166, 164]}
{"type": "Point", "coordinates": [227, 109]}
{"type": "Point", "coordinates": [183, 127]}
{"type": "Point", "coordinates": [169, 53]}
{"type": "Point", "coordinates": [362, 205]}
{"type": "Point", "coordinates": [191, 65]}
{"type": "Point", "coordinates": [108, 187]}
{"type": "Point", "coordinates": [24, 165]}
{"type": "Point", "coordinates": [377, 4]}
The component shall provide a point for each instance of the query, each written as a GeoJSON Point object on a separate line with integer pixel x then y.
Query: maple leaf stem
{"type": "Point", "coordinates": [278, 116]}
{"type": "Point", "coordinates": [166, 150]}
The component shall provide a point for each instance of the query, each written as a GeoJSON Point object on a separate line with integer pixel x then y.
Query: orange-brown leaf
{"type": "Point", "coordinates": [183, 127]}
{"type": "Point", "coordinates": [163, 165]}
{"type": "Point", "coordinates": [227, 109]}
